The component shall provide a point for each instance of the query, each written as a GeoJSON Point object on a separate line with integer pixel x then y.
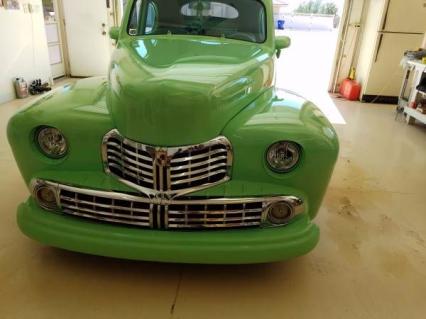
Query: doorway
{"type": "Point", "coordinates": [52, 23]}
{"type": "Point", "coordinates": [313, 27]}
{"type": "Point", "coordinates": [89, 46]}
{"type": "Point", "coordinates": [119, 8]}
{"type": "Point", "coordinates": [77, 35]}
{"type": "Point", "coordinates": [307, 66]}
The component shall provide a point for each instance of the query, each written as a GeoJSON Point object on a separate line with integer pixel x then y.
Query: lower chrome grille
{"type": "Point", "coordinates": [105, 208]}
{"type": "Point", "coordinates": [215, 215]}
{"type": "Point", "coordinates": [185, 213]}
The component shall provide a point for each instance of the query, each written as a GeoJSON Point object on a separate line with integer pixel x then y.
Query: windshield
{"type": "Point", "coordinates": [234, 19]}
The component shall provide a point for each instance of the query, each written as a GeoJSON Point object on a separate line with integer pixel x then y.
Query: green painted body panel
{"type": "Point", "coordinates": [217, 247]}
{"type": "Point", "coordinates": [200, 86]}
{"type": "Point", "coordinates": [170, 91]}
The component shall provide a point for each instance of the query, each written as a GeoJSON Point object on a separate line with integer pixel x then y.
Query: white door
{"type": "Point", "coordinates": [54, 38]}
{"type": "Point", "coordinates": [89, 46]}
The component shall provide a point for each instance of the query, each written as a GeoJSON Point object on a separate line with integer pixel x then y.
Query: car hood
{"type": "Point", "coordinates": [170, 91]}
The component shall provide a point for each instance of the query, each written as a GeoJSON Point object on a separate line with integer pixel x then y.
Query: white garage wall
{"type": "Point", "coordinates": [23, 47]}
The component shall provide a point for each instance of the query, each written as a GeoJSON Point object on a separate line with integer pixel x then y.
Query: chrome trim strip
{"type": "Point", "coordinates": [197, 171]}
{"type": "Point", "coordinates": [137, 170]}
{"type": "Point", "coordinates": [97, 212]}
{"type": "Point", "coordinates": [195, 157]}
{"type": "Point", "coordinates": [131, 172]}
{"type": "Point", "coordinates": [171, 212]}
{"type": "Point", "coordinates": [107, 219]}
{"type": "Point", "coordinates": [127, 159]}
{"type": "Point", "coordinates": [199, 177]}
{"type": "Point", "coordinates": [138, 210]}
{"type": "Point", "coordinates": [195, 165]}
{"type": "Point", "coordinates": [216, 226]}
{"type": "Point", "coordinates": [217, 219]}
{"type": "Point", "coordinates": [158, 187]}
{"type": "Point", "coordinates": [142, 157]}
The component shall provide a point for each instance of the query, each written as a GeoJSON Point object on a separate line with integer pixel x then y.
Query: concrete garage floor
{"type": "Point", "coordinates": [370, 262]}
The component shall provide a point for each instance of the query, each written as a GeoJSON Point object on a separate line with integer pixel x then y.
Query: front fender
{"type": "Point", "coordinates": [274, 117]}
{"type": "Point", "coordinates": [80, 112]}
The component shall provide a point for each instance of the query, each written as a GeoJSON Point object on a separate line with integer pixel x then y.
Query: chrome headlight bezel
{"type": "Point", "coordinates": [40, 189]}
{"type": "Point", "coordinates": [51, 142]}
{"type": "Point", "coordinates": [291, 153]}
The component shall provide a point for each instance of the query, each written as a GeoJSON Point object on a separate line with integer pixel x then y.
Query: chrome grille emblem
{"type": "Point", "coordinates": [167, 172]}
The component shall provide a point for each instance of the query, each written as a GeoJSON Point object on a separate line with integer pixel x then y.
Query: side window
{"type": "Point", "coordinates": [262, 22]}
{"type": "Point", "coordinates": [151, 18]}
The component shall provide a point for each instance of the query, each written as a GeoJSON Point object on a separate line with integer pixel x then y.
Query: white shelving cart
{"type": "Point", "coordinates": [409, 97]}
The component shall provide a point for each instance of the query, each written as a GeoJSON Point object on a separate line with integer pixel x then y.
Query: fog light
{"type": "Point", "coordinates": [46, 197]}
{"type": "Point", "coordinates": [280, 213]}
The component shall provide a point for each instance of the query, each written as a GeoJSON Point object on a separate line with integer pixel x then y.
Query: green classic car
{"type": "Point", "coordinates": [186, 152]}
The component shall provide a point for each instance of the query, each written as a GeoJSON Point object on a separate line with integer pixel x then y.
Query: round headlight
{"type": "Point", "coordinates": [52, 142]}
{"type": "Point", "coordinates": [283, 156]}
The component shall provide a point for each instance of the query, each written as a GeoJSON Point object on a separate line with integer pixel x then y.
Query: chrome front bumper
{"type": "Point", "coordinates": [161, 213]}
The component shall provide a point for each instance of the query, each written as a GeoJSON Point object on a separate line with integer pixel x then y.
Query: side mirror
{"type": "Point", "coordinates": [114, 32]}
{"type": "Point", "coordinates": [281, 42]}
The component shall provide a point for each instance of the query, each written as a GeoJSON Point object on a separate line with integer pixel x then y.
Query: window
{"type": "Point", "coordinates": [235, 19]}
{"type": "Point", "coordinates": [134, 20]}
{"type": "Point", "coordinates": [151, 18]}
{"type": "Point", "coordinates": [49, 11]}
{"type": "Point", "coordinates": [209, 9]}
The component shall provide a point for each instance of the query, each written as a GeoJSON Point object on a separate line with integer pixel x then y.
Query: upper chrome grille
{"type": "Point", "coordinates": [199, 166]}
{"type": "Point", "coordinates": [172, 171]}
{"type": "Point", "coordinates": [130, 161]}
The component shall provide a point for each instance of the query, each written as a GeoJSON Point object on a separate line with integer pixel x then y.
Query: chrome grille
{"type": "Point", "coordinates": [172, 171]}
{"type": "Point", "coordinates": [106, 208]}
{"type": "Point", "coordinates": [186, 213]}
{"type": "Point", "coordinates": [130, 161]}
{"type": "Point", "coordinates": [214, 215]}
{"type": "Point", "coordinates": [199, 166]}
{"type": "Point", "coordinates": [131, 210]}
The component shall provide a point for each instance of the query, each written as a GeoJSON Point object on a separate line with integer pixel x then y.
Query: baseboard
{"type": "Point", "coordinates": [379, 99]}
